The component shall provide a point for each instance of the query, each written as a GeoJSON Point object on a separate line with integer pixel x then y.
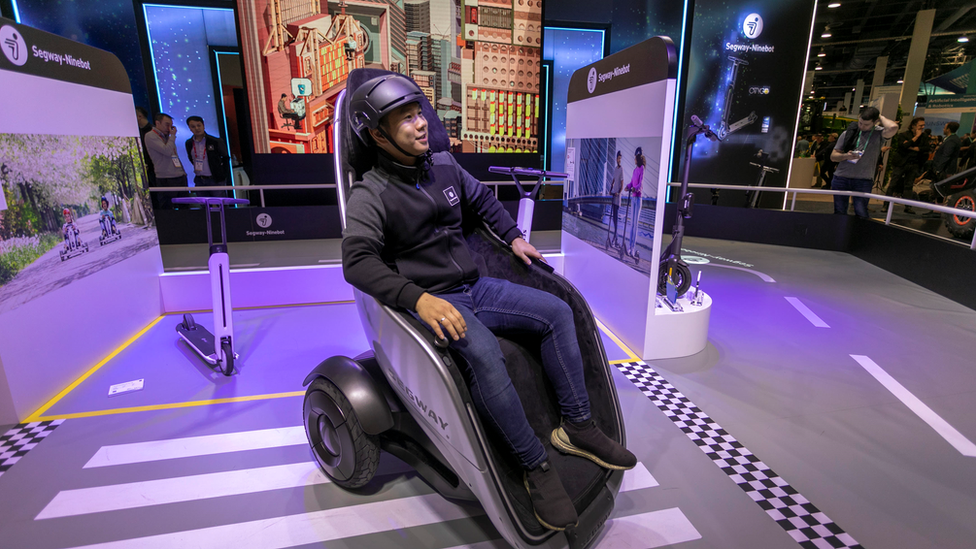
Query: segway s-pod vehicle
{"type": "Point", "coordinates": [407, 395]}
{"type": "Point", "coordinates": [671, 263]}
{"type": "Point", "coordinates": [216, 348]}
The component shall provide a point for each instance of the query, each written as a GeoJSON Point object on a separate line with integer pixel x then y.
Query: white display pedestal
{"type": "Point", "coordinates": [673, 334]}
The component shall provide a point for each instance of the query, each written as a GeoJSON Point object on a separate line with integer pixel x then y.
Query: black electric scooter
{"type": "Point", "coordinates": [671, 261]}
{"type": "Point", "coordinates": [216, 349]}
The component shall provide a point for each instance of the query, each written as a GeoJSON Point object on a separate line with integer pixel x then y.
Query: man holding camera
{"type": "Point", "coordinates": [856, 153]}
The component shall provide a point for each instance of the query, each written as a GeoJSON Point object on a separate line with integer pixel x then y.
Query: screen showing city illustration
{"type": "Point", "coordinates": [477, 61]}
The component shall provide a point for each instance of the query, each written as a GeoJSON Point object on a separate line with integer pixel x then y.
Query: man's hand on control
{"type": "Point", "coordinates": [526, 251]}
{"type": "Point", "coordinates": [441, 316]}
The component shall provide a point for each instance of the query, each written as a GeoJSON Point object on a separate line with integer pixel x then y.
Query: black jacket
{"type": "Point", "coordinates": [906, 140]}
{"type": "Point", "coordinates": [216, 156]}
{"type": "Point", "coordinates": [403, 232]}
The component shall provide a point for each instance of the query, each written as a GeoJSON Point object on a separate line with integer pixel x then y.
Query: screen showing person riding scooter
{"type": "Point", "coordinates": [403, 245]}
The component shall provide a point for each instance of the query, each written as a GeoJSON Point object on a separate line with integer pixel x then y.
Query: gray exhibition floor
{"type": "Point", "coordinates": [797, 383]}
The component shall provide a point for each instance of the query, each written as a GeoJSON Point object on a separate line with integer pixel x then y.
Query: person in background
{"type": "Point", "coordinates": [634, 189]}
{"type": "Point", "coordinates": [209, 157]}
{"type": "Point", "coordinates": [827, 166]}
{"type": "Point", "coordinates": [802, 146]}
{"type": "Point", "coordinates": [906, 149]}
{"type": "Point", "coordinates": [161, 144]}
{"type": "Point", "coordinates": [965, 152]}
{"type": "Point", "coordinates": [856, 153]}
{"type": "Point", "coordinates": [616, 187]}
{"type": "Point", "coordinates": [946, 159]}
{"type": "Point", "coordinates": [145, 126]}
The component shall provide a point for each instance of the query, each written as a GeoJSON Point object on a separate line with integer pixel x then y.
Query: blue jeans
{"type": "Point", "coordinates": [635, 208]}
{"type": "Point", "coordinates": [492, 306]}
{"type": "Point", "coordinates": [840, 183]}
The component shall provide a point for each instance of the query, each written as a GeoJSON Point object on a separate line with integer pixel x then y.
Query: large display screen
{"type": "Point", "coordinates": [477, 61]}
{"type": "Point", "coordinates": [745, 68]}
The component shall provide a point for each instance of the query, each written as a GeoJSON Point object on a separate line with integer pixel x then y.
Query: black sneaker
{"type": "Point", "coordinates": [552, 506]}
{"type": "Point", "coordinates": [588, 441]}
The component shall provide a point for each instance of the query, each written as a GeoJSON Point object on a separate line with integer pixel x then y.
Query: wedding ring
{"type": "Point", "coordinates": [443, 318]}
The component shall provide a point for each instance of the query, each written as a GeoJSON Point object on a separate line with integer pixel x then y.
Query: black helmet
{"type": "Point", "coordinates": [377, 97]}
{"type": "Point", "coordinates": [639, 151]}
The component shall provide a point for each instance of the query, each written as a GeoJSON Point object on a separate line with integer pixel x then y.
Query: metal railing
{"type": "Point", "coordinates": [744, 188]}
{"type": "Point", "coordinates": [261, 188]}
{"type": "Point", "coordinates": [882, 198]}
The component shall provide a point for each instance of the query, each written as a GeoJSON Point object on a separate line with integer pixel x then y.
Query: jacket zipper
{"type": "Point", "coordinates": [449, 251]}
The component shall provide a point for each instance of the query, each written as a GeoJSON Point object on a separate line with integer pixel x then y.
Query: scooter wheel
{"type": "Point", "coordinates": [228, 362]}
{"type": "Point", "coordinates": [346, 453]}
{"type": "Point", "coordinates": [681, 278]}
{"type": "Point", "coordinates": [188, 323]}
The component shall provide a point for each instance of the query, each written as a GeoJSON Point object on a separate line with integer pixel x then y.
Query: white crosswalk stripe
{"type": "Point", "coordinates": [156, 450]}
{"type": "Point", "coordinates": [316, 526]}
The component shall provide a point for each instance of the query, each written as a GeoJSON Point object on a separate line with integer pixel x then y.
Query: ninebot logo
{"type": "Point", "coordinates": [753, 25]}
{"type": "Point", "coordinates": [451, 195]}
{"type": "Point", "coordinates": [263, 220]}
{"type": "Point", "coordinates": [759, 90]}
{"type": "Point", "coordinates": [13, 45]}
{"type": "Point", "coordinates": [591, 80]}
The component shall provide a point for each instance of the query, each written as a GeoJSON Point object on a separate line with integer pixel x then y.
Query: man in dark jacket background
{"type": "Point", "coordinates": [907, 149]}
{"type": "Point", "coordinates": [209, 158]}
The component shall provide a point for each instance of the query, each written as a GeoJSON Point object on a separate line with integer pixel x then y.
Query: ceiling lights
{"type": "Point", "coordinates": [822, 53]}
{"type": "Point", "coordinates": [962, 39]}
{"type": "Point", "coordinates": [826, 32]}
{"type": "Point", "coordinates": [833, 5]}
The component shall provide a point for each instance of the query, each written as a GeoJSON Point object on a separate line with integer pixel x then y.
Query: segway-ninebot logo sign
{"type": "Point", "coordinates": [264, 221]}
{"type": "Point", "coordinates": [591, 80]}
{"type": "Point", "coordinates": [752, 26]}
{"type": "Point", "coordinates": [13, 45]}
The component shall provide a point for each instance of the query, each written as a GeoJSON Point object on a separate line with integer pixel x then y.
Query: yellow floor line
{"type": "Point", "coordinates": [36, 416]}
{"type": "Point", "coordinates": [170, 406]}
{"type": "Point", "coordinates": [619, 343]}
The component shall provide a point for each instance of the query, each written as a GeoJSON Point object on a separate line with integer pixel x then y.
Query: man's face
{"type": "Point", "coordinates": [919, 126]}
{"type": "Point", "coordinates": [408, 127]}
{"type": "Point", "coordinates": [618, 159]}
{"type": "Point", "coordinates": [946, 130]}
{"type": "Point", "coordinates": [196, 127]}
{"type": "Point", "coordinates": [141, 119]}
{"type": "Point", "coordinates": [165, 124]}
{"type": "Point", "coordinates": [865, 125]}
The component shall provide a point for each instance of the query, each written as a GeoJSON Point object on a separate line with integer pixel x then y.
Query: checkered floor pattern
{"type": "Point", "coordinates": [15, 443]}
{"type": "Point", "coordinates": [801, 519]}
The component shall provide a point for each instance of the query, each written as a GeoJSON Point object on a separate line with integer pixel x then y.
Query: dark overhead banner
{"type": "Point", "coordinates": [29, 51]}
{"type": "Point", "coordinates": [744, 74]}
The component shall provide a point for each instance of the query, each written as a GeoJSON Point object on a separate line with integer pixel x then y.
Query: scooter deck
{"type": "Point", "coordinates": [202, 342]}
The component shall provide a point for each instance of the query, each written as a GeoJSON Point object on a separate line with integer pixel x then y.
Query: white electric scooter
{"type": "Point", "coordinates": [217, 349]}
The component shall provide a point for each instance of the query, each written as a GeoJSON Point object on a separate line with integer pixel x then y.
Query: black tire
{"type": "Point", "coordinates": [681, 275]}
{"type": "Point", "coordinates": [228, 365]}
{"type": "Point", "coordinates": [188, 323]}
{"type": "Point", "coordinates": [961, 227]}
{"type": "Point", "coordinates": [345, 452]}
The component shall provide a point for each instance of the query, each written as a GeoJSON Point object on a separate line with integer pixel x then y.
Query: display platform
{"type": "Point", "coordinates": [773, 436]}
